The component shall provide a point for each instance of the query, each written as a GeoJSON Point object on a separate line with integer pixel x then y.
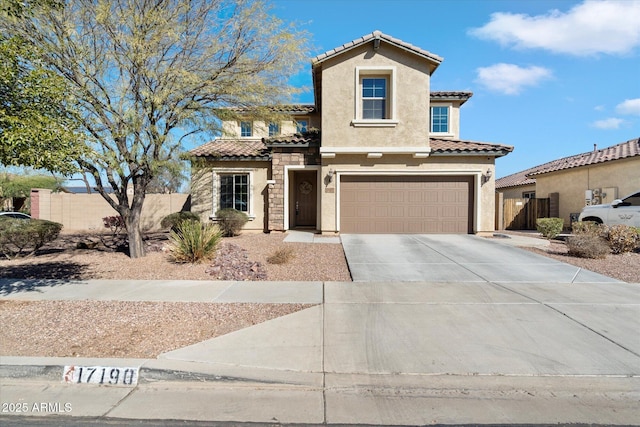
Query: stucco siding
{"type": "Point", "coordinates": [623, 175]}
{"type": "Point", "coordinates": [203, 181]}
{"type": "Point", "coordinates": [516, 192]}
{"type": "Point", "coordinates": [410, 99]}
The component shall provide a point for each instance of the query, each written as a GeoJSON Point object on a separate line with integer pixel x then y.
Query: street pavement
{"type": "Point", "coordinates": [476, 351]}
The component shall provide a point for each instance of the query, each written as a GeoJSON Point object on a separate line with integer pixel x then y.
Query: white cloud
{"type": "Point", "coordinates": [610, 123]}
{"type": "Point", "coordinates": [629, 106]}
{"type": "Point", "coordinates": [589, 28]}
{"type": "Point", "coordinates": [599, 108]}
{"type": "Point", "coordinates": [510, 79]}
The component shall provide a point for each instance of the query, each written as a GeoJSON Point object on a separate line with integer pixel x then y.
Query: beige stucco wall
{"type": "Point", "coordinates": [203, 191]}
{"type": "Point", "coordinates": [484, 219]}
{"type": "Point", "coordinates": [231, 128]}
{"type": "Point", "coordinates": [516, 192]}
{"type": "Point", "coordinates": [339, 94]}
{"type": "Point", "coordinates": [84, 212]}
{"type": "Point", "coordinates": [623, 175]}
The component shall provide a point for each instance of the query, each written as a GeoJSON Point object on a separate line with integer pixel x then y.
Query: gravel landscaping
{"type": "Point", "coordinates": [147, 329]}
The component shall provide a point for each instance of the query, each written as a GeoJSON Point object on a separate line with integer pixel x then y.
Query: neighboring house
{"type": "Point", "coordinates": [377, 153]}
{"type": "Point", "coordinates": [594, 177]}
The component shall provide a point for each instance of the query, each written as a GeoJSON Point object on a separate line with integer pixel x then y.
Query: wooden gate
{"type": "Point", "coordinates": [521, 214]}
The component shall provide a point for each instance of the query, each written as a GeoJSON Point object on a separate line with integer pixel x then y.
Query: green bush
{"type": "Point", "coordinates": [549, 227]}
{"type": "Point", "coordinates": [231, 221]}
{"type": "Point", "coordinates": [194, 242]}
{"type": "Point", "coordinates": [19, 237]}
{"type": "Point", "coordinates": [171, 221]}
{"type": "Point", "coordinates": [587, 246]}
{"type": "Point", "coordinates": [621, 238]}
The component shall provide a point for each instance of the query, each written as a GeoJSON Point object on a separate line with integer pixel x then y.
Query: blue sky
{"type": "Point", "coordinates": [550, 77]}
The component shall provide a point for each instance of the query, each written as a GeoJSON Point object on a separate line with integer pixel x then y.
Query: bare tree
{"type": "Point", "coordinates": [148, 73]}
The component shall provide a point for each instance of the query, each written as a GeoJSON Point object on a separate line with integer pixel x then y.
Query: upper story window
{"type": "Point", "coordinates": [246, 129]}
{"type": "Point", "coordinates": [302, 126]}
{"type": "Point", "coordinates": [440, 119]}
{"type": "Point", "coordinates": [374, 98]}
{"type": "Point", "coordinates": [274, 129]}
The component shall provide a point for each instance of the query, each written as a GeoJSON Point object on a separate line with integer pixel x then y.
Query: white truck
{"type": "Point", "coordinates": [621, 211]}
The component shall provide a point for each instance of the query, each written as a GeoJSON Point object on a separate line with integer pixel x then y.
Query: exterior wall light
{"type": "Point", "coordinates": [487, 176]}
{"type": "Point", "coordinates": [330, 173]}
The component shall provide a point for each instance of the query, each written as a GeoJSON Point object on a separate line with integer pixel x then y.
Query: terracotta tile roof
{"type": "Point", "coordinates": [451, 95]}
{"type": "Point", "coordinates": [233, 148]}
{"type": "Point", "coordinates": [453, 146]}
{"type": "Point", "coordinates": [376, 35]}
{"type": "Point", "coordinates": [253, 149]}
{"type": "Point", "coordinates": [293, 109]}
{"type": "Point", "coordinates": [624, 150]}
{"type": "Point", "coordinates": [299, 139]}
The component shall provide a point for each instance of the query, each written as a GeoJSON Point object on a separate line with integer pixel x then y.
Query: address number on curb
{"type": "Point", "coordinates": [101, 375]}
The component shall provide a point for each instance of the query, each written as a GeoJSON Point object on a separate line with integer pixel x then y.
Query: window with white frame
{"type": "Point", "coordinates": [274, 129]}
{"type": "Point", "coordinates": [246, 129]}
{"type": "Point", "coordinates": [234, 191]}
{"type": "Point", "coordinates": [375, 97]}
{"type": "Point", "coordinates": [440, 119]}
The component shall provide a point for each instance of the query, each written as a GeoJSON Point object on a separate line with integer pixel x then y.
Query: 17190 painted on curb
{"type": "Point", "coordinates": [101, 375]}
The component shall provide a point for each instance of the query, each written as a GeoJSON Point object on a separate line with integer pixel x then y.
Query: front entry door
{"type": "Point", "coordinates": [305, 199]}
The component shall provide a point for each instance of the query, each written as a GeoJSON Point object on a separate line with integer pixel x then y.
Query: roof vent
{"type": "Point", "coordinates": [595, 147]}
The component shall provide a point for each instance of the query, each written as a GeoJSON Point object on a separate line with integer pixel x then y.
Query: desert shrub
{"type": "Point", "coordinates": [19, 237]}
{"type": "Point", "coordinates": [231, 221]}
{"type": "Point", "coordinates": [586, 227]}
{"type": "Point", "coordinates": [194, 242]}
{"type": "Point", "coordinates": [549, 227]}
{"type": "Point", "coordinates": [281, 256]}
{"type": "Point", "coordinates": [171, 221]}
{"type": "Point", "coordinates": [587, 246]}
{"type": "Point", "coordinates": [114, 223]}
{"type": "Point", "coordinates": [621, 238]}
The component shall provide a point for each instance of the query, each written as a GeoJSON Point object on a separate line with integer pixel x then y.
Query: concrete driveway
{"type": "Point", "coordinates": [453, 258]}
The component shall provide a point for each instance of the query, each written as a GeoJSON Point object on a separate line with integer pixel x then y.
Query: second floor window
{"type": "Point", "coordinates": [246, 129]}
{"type": "Point", "coordinates": [274, 129]}
{"type": "Point", "coordinates": [302, 126]}
{"type": "Point", "coordinates": [374, 98]}
{"type": "Point", "coordinates": [440, 119]}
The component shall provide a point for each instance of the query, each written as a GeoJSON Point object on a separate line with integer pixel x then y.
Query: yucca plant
{"type": "Point", "coordinates": [194, 242]}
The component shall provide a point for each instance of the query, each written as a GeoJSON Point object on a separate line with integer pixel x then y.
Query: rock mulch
{"type": "Point", "coordinates": [233, 263]}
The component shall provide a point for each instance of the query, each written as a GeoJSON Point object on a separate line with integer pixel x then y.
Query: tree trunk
{"type": "Point", "coordinates": [132, 222]}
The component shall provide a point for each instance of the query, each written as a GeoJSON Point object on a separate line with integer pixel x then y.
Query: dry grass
{"type": "Point", "coordinates": [281, 256]}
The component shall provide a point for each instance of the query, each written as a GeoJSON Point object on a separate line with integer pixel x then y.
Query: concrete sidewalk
{"type": "Point", "coordinates": [377, 353]}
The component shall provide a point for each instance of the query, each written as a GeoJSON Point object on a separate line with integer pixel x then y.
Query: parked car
{"type": "Point", "coordinates": [621, 211]}
{"type": "Point", "coordinates": [15, 215]}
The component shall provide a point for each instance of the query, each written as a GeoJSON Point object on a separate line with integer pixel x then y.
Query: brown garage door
{"type": "Point", "coordinates": [406, 204]}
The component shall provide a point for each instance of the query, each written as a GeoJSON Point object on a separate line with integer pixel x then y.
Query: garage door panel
{"type": "Point", "coordinates": [406, 204]}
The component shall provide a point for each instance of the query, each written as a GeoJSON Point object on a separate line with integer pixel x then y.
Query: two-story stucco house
{"type": "Point", "coordinates": [377, 153]}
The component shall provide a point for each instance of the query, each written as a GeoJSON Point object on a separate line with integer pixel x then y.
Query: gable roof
{"type": "Point", "coordinates": [451, 96]}
{"type": "Point", "coordinates": [377, 35]}
{"type": "Point", "coordinates": [623, 150]}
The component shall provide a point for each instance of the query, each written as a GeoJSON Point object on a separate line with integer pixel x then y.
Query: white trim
{"type": "Point", "coordinates": [289, 168]}
{"type": "Point", "coordinates": [374, 123]}
{"type": "Point", "coordinates": [476, 173]}
{"type": "Point", "coordinates": [215, 205]}
{"type": "Point", "coordinates": [330, 152]}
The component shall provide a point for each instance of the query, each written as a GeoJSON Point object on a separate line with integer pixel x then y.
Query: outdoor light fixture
{"type": "Point", "coordinates": [330, 174]}
{"type": "Point", "coordinates": [487, 176]}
